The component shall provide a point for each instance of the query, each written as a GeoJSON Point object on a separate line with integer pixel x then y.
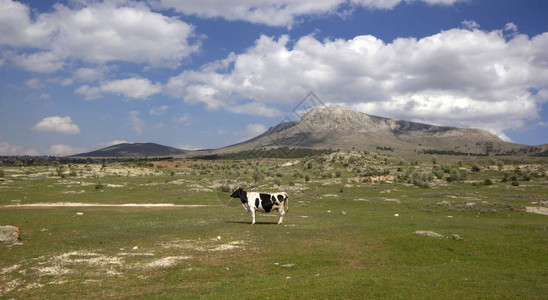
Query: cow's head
{"type": "Point", "coordinates": [240, 193]}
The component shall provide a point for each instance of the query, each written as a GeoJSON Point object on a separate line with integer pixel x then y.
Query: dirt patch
{"type": "Point", "coordinates": [203, 245]}
{"type": "Point", "coordinates": [169, 164]}
{"type": "Point", "coordinates": [164, 262]}
{"type": "Point", "coordinates": [93, 266]}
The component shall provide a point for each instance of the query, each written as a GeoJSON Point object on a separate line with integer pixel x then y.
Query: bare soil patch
{"type": "Point", "coordinates": [169, 164]}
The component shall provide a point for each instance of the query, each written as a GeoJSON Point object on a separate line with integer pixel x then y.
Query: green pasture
{"type": "Point", "coordinates": [341, 239]}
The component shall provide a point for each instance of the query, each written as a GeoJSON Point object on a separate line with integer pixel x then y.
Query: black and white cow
{"type": "Point", "coordinates": [253, 201]}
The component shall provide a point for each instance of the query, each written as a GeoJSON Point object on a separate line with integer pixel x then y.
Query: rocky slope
{"type": "Point", "coordinates": [346, 129]}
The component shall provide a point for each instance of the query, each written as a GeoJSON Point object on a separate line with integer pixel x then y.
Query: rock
{"type": "Point", "coordinates": [444, 203]}
{"type": "Point", "coordinates": [288, 266]}
{"type": "Point", "coordinates": [456, 236]}
{"type": "Point", "coordinates": [428, 233]}
{"type": "Point", "coordinates": [537, 210]}
{"type": "Point", "coordinates": [10, 234]}
{"type": "Point", "coordinates": [113, 186]}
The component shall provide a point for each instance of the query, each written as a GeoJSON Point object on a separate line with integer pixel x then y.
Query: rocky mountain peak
{"type": "Point", "coordinates": [336, 119]}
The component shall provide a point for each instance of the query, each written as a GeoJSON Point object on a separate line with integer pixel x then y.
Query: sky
{"type": "Point", "coordinates": [79, 75]}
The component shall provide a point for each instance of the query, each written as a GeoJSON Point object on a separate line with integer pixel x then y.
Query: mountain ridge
{"type": "Point", "coordinates": [346, 129]}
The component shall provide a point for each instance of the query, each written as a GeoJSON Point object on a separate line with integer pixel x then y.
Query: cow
{"type": "Point", "coordinates": [264, 202]}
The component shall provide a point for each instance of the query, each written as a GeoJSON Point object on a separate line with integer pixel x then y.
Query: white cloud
{"type": "Point", "coordinates": [470, 24]}
{"type": "Point", "coordinates": [251, 131]}
{"type": "Point", "coordinates": [16, 26]}
{"type": "Point", "coordinates": [276, 13]}
{"type": "Point", "coordinates": [90, 74]}
{"type": "Point", "coordinates": [457, 77]}
{"type": "Point", "coordinates": [511, 27]}
{"type": "Point", "coordinates": [8, 149]}
{"type": "Point", "coordinates": [136, 88]}
{"type": "Point", "coordinates": [158, 111]}
{"type": "Point", "coordinates": [112, 143]}
{"type": "Point", "coordinates": [94, 32]}
{"type": "Point", "coordinates": [57, 124]}
{"type": "Point", "coordinates": [89, 92]}
{"type": "Point", "coordinates": [64, 150]}
{"type": "Point", "coordinates": [511, 30]}
{"type": "Point", "coordinates": [188, 147]}
{"type": "Point", "coordinates": [136, 123]}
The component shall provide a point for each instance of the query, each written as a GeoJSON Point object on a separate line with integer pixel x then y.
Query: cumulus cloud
{"type": "Point", "coordinates": [136, 88]}
{"type": "Point", "coordinates": [64, 150]}
{"type": "Point", "coordinates": [276, 13]}
{"type": "Point", "coordinates": [7, 148]}
{"type": "Point", "coordinates": [94, 32]}
{"type": "Point", "coordinates": [457, 77]}
{"type": "Point", "coordinates": [57, 124]}
{"type": "Point", "coordinates": [470, 24]}
{"type": "Point", "coordinates": [89, 92]}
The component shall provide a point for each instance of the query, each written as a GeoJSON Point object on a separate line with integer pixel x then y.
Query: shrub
{"type": "Point", "coordinates": [421, 179]}
{"type": "Point", "coordinates": [475, 168]}
{"type": "Point", "coordinates": [438, 172]}
{"type": "Point", "coordinates": [225, 188]}
{"type": "Point", "coordinates": [456, 175]}
{"type": "Point", "coordinates": [505, 178]}
{"type": "Point", "coordinates": [500, 165]}
{"type": "Point", "coordinates": [257, 176]}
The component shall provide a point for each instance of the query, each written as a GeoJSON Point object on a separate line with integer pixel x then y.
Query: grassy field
{"type": "Point", "coordinates": [349, 233]}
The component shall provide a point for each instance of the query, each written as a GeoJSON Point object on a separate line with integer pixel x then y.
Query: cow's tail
{"type": "Point", "coordinates": [286, 203]}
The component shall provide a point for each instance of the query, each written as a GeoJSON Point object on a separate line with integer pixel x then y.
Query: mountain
{"type": "Point", "coordinates": [347, 129]}
{"type": "Point", "coordinates": [133, 150]}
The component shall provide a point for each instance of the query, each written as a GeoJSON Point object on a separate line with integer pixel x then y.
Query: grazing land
{"type": "Point", "coordinates": [360, 225]}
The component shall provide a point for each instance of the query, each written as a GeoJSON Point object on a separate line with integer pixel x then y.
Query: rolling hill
{"type": "Point", "coordinates": [134, 150]}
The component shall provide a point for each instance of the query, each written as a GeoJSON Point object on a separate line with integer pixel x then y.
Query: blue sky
{"type": "Point", "coordinates": [79, 75]}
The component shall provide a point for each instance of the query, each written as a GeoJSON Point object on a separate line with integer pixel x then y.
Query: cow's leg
{"type": "Point", "coordinates": [253, 215]}
{"type": "Point", "coordinates": [282, 212]}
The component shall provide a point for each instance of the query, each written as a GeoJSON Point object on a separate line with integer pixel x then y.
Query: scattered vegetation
{"type": "Point", "coordinates": [349, 212]}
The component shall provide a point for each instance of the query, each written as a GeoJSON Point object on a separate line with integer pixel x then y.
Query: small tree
{"type": "Point", "coordinates": [500, 164]}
